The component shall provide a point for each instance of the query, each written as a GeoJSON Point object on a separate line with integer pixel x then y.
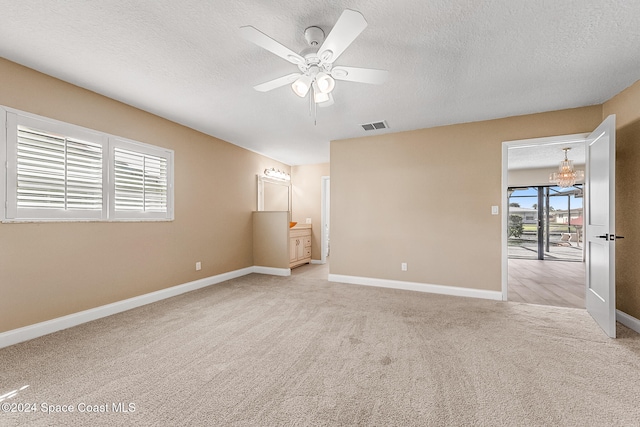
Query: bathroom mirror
{"type": "Point", "coordinates": [273, 194]}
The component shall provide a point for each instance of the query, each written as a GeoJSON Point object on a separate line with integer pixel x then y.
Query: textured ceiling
{"type": "Point", "coordinates": [545, 155]}
{"type": "Point", "coordinates": [449, 61]}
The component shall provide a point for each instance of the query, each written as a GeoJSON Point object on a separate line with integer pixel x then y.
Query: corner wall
{"type": "Point", "coordinates": [424, 197]}
{"type": "Point", "coordinates": [626, 107]}
{"type": "Point", "coordinates": [48, 270]}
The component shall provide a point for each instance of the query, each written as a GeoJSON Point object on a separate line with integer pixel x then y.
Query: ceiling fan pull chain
{"type": "Point", "coordinates": [315, 113]}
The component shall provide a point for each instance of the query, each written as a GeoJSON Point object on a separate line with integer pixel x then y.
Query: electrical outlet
{"type": "Point", "coordinates": [198, 266]}
{"type": "Point", "coordinates": [494, 210]}
{"type": "Point", "coordinates": [403, 266]}
{"type": "Point", "coordinates": [308, 220]}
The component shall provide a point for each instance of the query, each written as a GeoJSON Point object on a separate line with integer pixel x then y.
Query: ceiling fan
{"type": "Point", "coordinates": [317, 74]}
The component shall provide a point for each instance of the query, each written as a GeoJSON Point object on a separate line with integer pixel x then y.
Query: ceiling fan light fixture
{"type": "Point", "coordinates": [301, 86]}
{"type": "Point", "coordinates": [325, 82]}
{"type": "Point", "coordinates": [319, 96]}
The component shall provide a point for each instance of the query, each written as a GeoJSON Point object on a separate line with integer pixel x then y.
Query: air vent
{"type": "Point", "coordinates": [375, 125]}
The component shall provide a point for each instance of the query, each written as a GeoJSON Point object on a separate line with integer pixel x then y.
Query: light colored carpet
{"type": "Point", "coordinates": [264, 350]}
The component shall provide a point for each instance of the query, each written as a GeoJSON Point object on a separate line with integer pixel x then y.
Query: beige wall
{"type": "Point", "coordinates": [49, 270]}
{"type": "Point", "coordinates": [307, 200]}
{"type": "Point", "coordinates": [271, 239]}
{"type": "Point", "coordinates": [424, 197]}
{"type": "Point", "coordinates": [626, 107]}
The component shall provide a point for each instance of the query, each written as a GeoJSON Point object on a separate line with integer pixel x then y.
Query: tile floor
{"type": "Point", "coordinates": [557, 283]}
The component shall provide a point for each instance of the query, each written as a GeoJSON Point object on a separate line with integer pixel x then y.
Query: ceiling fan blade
{"type": "Point", "coordinates": [360, 75]}
{"type": "Point", "coordinates": [276, 83]}
{"type": "Point", "coordinates": [264, 41]}
{"type": "Point", "coordinates": [347, 28]}
{"type": "Point", "coordinates": [327, 103]}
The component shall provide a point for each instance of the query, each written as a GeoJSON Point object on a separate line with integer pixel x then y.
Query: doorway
{"type": "Point", "coordinates": [325, 218]}
{"type": "Point", "coordinates": [599, 219]}
{"type": "Point", "coordinates": [543, 240]}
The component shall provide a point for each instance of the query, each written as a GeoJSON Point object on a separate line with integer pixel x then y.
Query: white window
{"type": "Point", "coordinates": [61, 172]}
{"type": "Point", "coordinates": [140, 184]}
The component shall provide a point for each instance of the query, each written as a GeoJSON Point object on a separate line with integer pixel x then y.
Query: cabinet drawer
{"type": "Point", "coordinates": [307, 252]}
{"type": "Point", "coordinates": [307, 241]}
{"type": "Point", "coordinates": [299, 233]}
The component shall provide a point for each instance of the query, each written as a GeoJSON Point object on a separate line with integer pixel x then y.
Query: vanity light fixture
{"type": "Point", "coordinates": [277, 174]}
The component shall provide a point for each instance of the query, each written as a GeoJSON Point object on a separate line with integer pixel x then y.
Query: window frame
{"type": "Point", "coordinates": [10, 213]}
{"type": "Point", "coordinates": [138, 147]}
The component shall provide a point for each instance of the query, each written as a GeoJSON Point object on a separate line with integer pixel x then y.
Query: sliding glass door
{"type": "Point", "coordinates": [545, 222]}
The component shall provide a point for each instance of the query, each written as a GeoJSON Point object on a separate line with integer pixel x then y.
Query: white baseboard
{"type": "Point", "coordinates": [415, 286]}
{"type": "Point", "coordinates": [47, 327]}
{"type": "Point", "coordinates": [317, 261]}
{"type": "Point", "coordinates": [26, 333]}
{"type": "Point", "coordinates": [272, 270]}
{"type": "Point", "coordinates": [628, 321]}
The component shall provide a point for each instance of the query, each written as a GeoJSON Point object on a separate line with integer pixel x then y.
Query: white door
{"type": "Point", "coordinates": [600, 225]}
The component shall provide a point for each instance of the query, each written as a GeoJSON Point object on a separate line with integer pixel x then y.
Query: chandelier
{"type": "Point", "coordinates": [566, 175]}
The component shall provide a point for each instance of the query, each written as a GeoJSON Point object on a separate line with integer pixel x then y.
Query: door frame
{"type": "Point", "coordinates": [324, 216]}
{"type": "Point", "coordinates": [551, 140]}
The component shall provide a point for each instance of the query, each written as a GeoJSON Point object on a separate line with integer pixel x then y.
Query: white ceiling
{"type": "Point", "coordinates": [547, 155]}
{"type": "Point", "coordinates": [449, 61]}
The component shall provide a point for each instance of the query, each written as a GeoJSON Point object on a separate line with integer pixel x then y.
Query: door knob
{"type": "Point", "coordinates": [610, 237]}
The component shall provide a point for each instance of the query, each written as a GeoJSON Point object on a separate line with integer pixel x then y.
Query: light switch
{"type": "Point", "coordinates": [494, 210]}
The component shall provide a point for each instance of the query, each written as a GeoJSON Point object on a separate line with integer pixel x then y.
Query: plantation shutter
{"type": "Point", "coordinates": [57, 172]}
{"type": "Point", "coordinates": [141, 182]}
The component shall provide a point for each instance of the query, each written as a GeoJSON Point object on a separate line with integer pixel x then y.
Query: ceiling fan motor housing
{"type": "Point", "coordinates": [314, 36]}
